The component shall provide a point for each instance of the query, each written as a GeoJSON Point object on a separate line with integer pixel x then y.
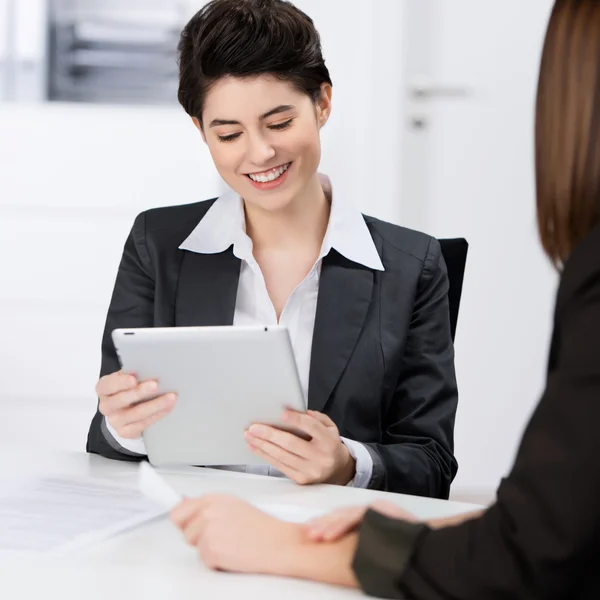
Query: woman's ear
{"type": "Point", "coordinates": [198, 126]}
{"type": "Point", "coordinates": [324, 104]}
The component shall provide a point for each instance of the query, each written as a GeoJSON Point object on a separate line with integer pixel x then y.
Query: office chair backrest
{"type": "Point", "coordinates": [454, 252]}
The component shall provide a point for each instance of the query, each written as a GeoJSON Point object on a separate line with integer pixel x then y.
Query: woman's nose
{"type": "Point", "coordinates": [260, 152]}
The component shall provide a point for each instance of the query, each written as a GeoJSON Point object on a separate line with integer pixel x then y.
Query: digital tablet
{"type": "Point", "coordinates": [226, 378]}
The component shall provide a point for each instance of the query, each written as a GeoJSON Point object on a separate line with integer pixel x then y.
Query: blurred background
{"type": "Point", "coordinates": [432, 128]}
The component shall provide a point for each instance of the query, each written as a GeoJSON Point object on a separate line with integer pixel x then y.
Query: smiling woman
{"type": "Point", "coordinates": [270, 140]}
{"type": "Point", "coordinates": [365, 302]}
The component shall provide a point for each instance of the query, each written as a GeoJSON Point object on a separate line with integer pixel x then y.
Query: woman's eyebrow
{"type": "Point", "coordinates": [274, 111]}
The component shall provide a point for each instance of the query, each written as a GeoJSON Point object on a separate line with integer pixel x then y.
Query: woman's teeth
{"type": "Point", "coordinates": [269, 175]}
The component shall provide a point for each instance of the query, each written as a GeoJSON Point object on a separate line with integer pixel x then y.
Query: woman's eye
{"type": "Point", "coordinates": [276, 127]}
{"type": "Point", "coordinates": [229, 138]}
{"type": "Point", "coordinates": [280, 126]}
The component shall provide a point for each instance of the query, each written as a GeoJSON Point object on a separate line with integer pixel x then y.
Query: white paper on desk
{"type": "Point", "coordinates": [291, 512]}
{"type": "Point", "coordinates": [154, 487]}
{"type": "Point", "coordinates": [157, 489]}
{"type": "Point", "coordinates": [56, 514]}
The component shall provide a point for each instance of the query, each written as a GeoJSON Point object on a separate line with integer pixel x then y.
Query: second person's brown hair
{"type": "Point", "coordinates": [567, 144]}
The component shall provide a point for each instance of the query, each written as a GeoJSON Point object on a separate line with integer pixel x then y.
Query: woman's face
{"type": "Point", "coordinates": [263, 136]}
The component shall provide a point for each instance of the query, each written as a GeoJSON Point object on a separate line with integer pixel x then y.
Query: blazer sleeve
{"type": "Point", "coordinates": [541, 535]}
{"type": "Point", "coordinates": [131, 305]}
{"type": "Point", "coordinates": [416, 453]}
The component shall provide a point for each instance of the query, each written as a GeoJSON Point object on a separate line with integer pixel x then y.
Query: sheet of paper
{"type": "Point", "coordinates": [55, 514]}
{"type": "Point", "coordinates": [290, 512]}
{"type": "Point", "coordinates": [154, 487]}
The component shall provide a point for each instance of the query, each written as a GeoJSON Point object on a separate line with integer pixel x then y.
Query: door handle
{"type": "Point", "coordinates": [424, 90]}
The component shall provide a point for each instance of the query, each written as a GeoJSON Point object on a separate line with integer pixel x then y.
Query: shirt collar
{"type": "Point", "coordinates": [224, 225]}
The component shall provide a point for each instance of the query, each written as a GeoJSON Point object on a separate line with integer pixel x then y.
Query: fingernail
{"type": "Point", "coordinates": [285, 416]}
{"type": "Point", "coordinates": [170, 399]}
{"type": "Point", "coordinates": [257, 430]}
{"type": "Point", "coordinates": [152, 386]}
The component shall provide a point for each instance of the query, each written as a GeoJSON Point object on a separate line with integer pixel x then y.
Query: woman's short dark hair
{"type": "Point", "coordinates": [247, 38]}
{"type": "Point", "coordinates": [568, 128]}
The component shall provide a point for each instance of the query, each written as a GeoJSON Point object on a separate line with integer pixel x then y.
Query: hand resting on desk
{"type": "Point", "coordinates": [335, 525]}
{"type": "Point", "coordinates": [232, 535]}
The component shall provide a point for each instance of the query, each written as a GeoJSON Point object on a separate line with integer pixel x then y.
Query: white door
{"type": "Point", "coordinates": [470, 75]}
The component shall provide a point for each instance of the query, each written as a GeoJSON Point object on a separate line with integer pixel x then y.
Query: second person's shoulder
{"type": "Point", "coordinates": [581, 273]}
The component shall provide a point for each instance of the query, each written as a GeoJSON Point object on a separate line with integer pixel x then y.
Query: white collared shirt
{"type": "Point", "coordinates": [223, 226]}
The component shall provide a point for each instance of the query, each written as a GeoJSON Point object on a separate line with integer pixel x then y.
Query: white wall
{"type": "Point", "coordinates": [362, 45]}
{"type": "Point", "coordinates": [72, 178]}
{"type": "Point", "coordinates": [480, 185]}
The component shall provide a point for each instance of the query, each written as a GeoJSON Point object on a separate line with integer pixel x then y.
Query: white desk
{"type": "Point", "coordinates": [153, 562]}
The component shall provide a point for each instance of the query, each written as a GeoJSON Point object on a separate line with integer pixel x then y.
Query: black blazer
{"type": "Point", "coordinates": [382, 364]}
{"type": "Point", "coordinates": [541, 539]}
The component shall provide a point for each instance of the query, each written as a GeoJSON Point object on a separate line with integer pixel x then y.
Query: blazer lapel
{"type": "Point", "coordinates": [345, 290]}
{"type": "Point", "coordinates": [207, 289]}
